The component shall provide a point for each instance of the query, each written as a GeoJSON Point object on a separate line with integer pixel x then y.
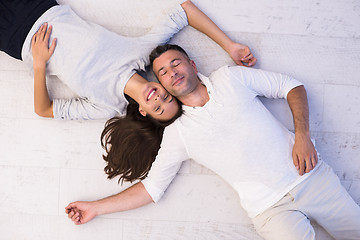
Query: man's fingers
{"type": "Point", "coordinates": [296, 161]}
{"type": "Point", "coordinates": [78, 221]}
{"type": "Point", "coordinates": [315, 159]}
{"type": "Point", "coordinates": [75, 216]}
{"type": "Point", "coordinates": [71, 214]}
{"type": "Point", "coordinates": [69, 209]}
{"type": "Point", "coordinates": [301, 166]}
{"type": "Point", "coordinates": [308, 165]}
{"type": "Point", "coordinates": [70, 206]}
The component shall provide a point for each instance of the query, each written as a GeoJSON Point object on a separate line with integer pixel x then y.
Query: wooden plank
{"type": "Point", "coordinates": [29, 190]}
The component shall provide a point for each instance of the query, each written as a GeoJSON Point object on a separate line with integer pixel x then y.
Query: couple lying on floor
{"type": "Point", "coordinates": [217, 121]}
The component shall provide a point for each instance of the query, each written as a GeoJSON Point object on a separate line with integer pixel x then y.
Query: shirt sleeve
{"type": "Point", "coordinates": [80, 109]}
{"type": "Point", "coordinates": [264, 83]}
{"type": "Point", "coordinates": [167, 163]}
{"type": "Point", "coordinates": [168, 26]}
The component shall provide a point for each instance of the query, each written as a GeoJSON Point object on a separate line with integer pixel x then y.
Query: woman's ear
{"type": "Point", "coordinates": [142, 112]}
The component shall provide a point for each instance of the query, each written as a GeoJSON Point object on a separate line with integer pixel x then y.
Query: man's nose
{"type": "Point", "coordinates": [157, 97]}
{"type": "Point", "coordinates": [174, 72]}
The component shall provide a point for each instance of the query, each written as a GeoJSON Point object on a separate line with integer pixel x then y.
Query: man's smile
{"type": "Point", "coordinates": [178, 81]}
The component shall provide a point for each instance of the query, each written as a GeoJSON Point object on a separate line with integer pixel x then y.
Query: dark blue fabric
{"type": "Point", "coordinates": [16, 19]}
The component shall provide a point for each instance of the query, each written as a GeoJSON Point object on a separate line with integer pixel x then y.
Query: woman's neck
{"type": "Point", "coordinates": [134, 85]}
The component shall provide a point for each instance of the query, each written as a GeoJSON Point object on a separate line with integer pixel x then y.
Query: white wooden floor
{"type": "Point", "coordinates": [45, 164]}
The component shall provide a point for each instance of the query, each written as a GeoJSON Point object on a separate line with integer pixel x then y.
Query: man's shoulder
{"type": "Point", "coordinates": [227, 71]}
{"type": "Point", "coordinates": [227, 74]}
{"type": "Point", "coordinates": [172, 137]}
{"type": "Point", "coordinates": [172, 129]}
{"type": "Point", "coordinates": [220, 71]}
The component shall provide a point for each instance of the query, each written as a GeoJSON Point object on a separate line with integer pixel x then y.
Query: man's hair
{"type": "Point", "coordinates": [132, 143]}
{"type": "Point", "coordinates": [164, 48]}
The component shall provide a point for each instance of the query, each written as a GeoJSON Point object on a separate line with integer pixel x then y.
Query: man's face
{"type": "Point", "coordinates": [157, 102]}
{"type": "Point", "coordinates": [176, 73]}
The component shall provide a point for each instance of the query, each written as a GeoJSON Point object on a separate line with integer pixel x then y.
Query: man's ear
{"type": "Point", "coordinates": [193, 65]}
{"type": "Point", "coordinates": [142, 112]}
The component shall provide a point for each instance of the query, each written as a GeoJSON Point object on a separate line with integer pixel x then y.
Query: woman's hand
{"type": "Point", "coordinates": [241, 55]}
{"type": "Point", "coordinates": [40, 46]}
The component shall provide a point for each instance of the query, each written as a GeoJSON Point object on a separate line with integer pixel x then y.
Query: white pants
{"type": "Point", "coordinates": [322, 198]}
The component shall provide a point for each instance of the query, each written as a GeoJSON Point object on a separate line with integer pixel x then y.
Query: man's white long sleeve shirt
{"type": "Point", "coordinates": [235, 136]}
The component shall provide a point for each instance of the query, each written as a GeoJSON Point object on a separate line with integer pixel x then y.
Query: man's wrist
{"type": "Point", "coordinates": [302, 135]}
{"type": "Point", "coordinates": [99, 207]}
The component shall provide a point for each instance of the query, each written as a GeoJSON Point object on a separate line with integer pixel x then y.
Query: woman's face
{"type": "Point", "coordinates": [157, 102]}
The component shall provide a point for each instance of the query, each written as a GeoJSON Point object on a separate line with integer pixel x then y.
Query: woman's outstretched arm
{"type": "Point", "coordinates": [239, 53]}
{"type": "Point", "coordinates": [41, 54]}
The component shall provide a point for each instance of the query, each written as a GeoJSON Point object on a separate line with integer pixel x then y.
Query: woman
{"type": "Point", "coordinates": [132, 143]}
{"type": "Point", "coordinates": [99, 65]}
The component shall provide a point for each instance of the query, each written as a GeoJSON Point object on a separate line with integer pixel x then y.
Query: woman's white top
{"type": "Point", "coordinates": [95, 62]}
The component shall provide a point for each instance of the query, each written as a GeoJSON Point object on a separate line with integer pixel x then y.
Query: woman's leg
{"type": "Point", "coordinates": [16, 20]}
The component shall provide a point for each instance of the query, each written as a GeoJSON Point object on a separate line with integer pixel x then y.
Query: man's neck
{"type": "Point", "coordinates": [197, 98]}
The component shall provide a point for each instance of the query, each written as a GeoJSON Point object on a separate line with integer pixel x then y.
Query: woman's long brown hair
{"type": "Point", "coordinates": [132, 143]}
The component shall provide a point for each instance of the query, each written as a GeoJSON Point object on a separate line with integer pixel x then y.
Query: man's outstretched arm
{"type": "Point", "coordinates": [304, 153]}
{"type": "Point", "coordinates": [83, 211]}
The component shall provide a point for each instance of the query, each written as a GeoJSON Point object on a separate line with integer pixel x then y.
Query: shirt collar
{"type": "Point", "coordinates": [206, 81]}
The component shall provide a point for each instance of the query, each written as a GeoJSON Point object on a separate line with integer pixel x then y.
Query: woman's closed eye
{"type": "Point", "coordinates": [169, 98]}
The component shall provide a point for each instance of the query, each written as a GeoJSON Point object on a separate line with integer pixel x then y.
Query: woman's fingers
{"type": "Point", "coordinates": [43, 29]}
{"type": "Point", "coordinates": [42, 34]}
{"type": "Point", "coordinates": [47, 34]}
{"type": "Point", "coordinates": [52, 47]}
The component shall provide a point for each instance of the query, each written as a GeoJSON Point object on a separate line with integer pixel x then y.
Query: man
{"type": "Point", "coordinates": [225, 127]}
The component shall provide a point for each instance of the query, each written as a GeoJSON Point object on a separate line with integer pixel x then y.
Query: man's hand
{"type": "Point", "coordinates": [81, 212]}
{"type": "Point", "coordinates": [304, 154]}
{"type": "Point", "coordinates": [40, 46]}
{"type": "Point", "coordinates": [242, 55]}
